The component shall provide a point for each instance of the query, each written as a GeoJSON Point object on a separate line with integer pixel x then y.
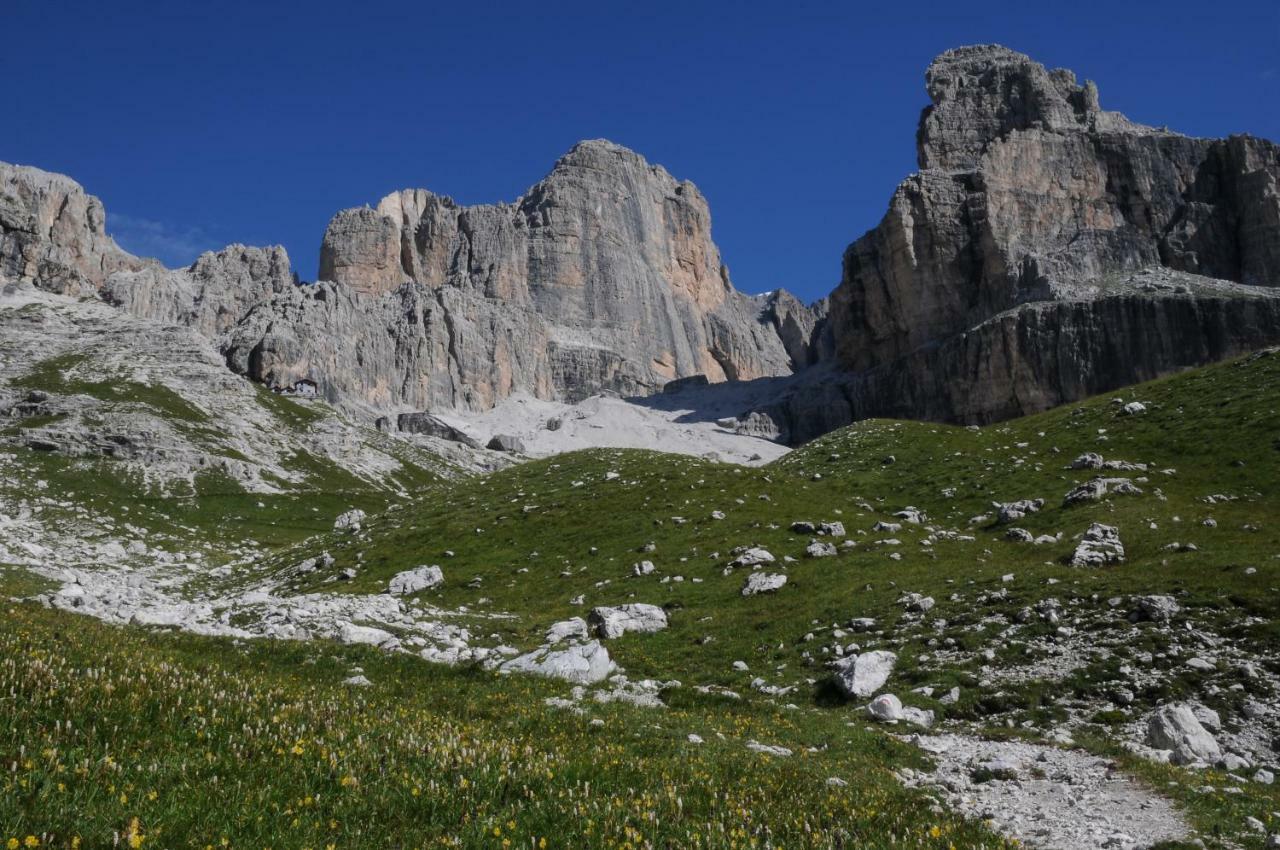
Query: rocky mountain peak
{"type": "Point", "coordinates": [601, 276]}
{"type": "Point", "coordinates": [52, 231]}
{"type": "Point", "coordinates": [981, 93]}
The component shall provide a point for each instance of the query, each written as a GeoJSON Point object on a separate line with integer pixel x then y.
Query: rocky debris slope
{"type": "Point", "coordinates": [1045, 796]}
{"type": "Point", "coordinates": [695, 420]}
{"type": "Point", "coordinates": [80, 380]}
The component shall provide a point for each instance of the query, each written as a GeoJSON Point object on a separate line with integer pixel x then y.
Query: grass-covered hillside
{"type": "Point", "coordinates": [156, 738]}
{"type": "Point", "coordinates": [532, 538]}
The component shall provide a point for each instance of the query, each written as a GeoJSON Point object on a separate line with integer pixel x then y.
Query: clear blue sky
{"type": "Point", "coordinates": [200, 124]}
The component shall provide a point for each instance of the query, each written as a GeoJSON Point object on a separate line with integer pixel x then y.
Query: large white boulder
{"type": "Point", "coordinates": [351, 633]}
{"type": "Point", "coordinates": [574, 628]}
{"type": "Point", "coordinates": [349, 521]}
{"type": "Point", "coordinates": [863, 675]}
{"type": "Point", "coordinates": [1176, 728]}
{"type": "Point", "coordinates": [1100, 545]}
{"type": "Point", "coordinates": [763, 583]}
{"type": "Point", "coordinates": [752, 557]}
{"type": "Point", "coordinates": [583, 664]}
{"type": "Point", "coordinates": [612, 622]}
{"type": "Point", "coordinates": [416, 580]}
{"type": "Point", "coordinates": [886, 708]}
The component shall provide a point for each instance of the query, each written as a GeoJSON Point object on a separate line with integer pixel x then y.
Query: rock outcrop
{"type": "Point", "coordinates": [1037, 356]}
{"type": "Point", "coordinates": [1045, 251]}
{"type": "Point", "coordinates": [1028, 191]}
{"type": "Point", "coordinates": [53, 234]}
{"type": "Point", "coordinates": [212, 296]}
{"type": "Point", "coordinates": [601, 278]}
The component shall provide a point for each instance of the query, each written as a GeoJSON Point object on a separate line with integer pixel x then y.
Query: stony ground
{"type": "Point", "coordinates": [1061, 630]}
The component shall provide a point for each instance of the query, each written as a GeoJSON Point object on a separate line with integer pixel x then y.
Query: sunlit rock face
{"type": "Point", "coordinates": [603, 276]}
{"type": "Point", "coordinates": [1029, 191]}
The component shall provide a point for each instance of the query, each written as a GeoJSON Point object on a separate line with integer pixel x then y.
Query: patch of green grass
{"type": "Point", "coordinates": [532, 539]}
{"type": "Point", "coordinates": [298, 415]}
{"type": "Point", "coordinates": [55, 375]}
{"type": "Point", "coordinates": [528, 532]}
{"type": "Point", "coordinates": [177, 741]}
{"type": "Point", "coordinates": [30, 422]}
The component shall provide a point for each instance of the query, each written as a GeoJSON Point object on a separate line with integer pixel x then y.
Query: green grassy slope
{"type": "Point", "coordinates": [213, 509]}
{"type": "Point", "coordinates": [529, 539]}
{"type": "Point", "coordinates": [527, 533]}
{"type": "Point", "coordinates": [119, 737]}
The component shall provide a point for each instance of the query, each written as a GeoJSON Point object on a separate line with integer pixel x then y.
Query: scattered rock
{"type": "Point", "coordinates": [1008, 512]}
{"type": "Point", "coordinates": [860, 676]}
{"type": "Point", "coordinates": [416, 580]}
{"type": "Point", "coordinates": [1176, 728]}
{"type": "Point", "coordinates": [1100, 545]}
{"type": "Point", "coordinates": [583, 664]}
{"type": "Point", "coordinates": [819, 549]}
{"type": "Point", "coordinates": [349, 521]}
{"type": "Point", "coordinates": [763, 583]}
{"type": "Point", "coordinates": [614, 622]}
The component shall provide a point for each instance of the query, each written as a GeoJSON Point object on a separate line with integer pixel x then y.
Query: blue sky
{"type": "Point", "coordinates": [209, 123]}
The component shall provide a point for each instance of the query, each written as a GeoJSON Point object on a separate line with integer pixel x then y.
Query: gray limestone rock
{"type": "Point", "coordinates": [601, 278]}
{"type": "Point", "coordinates": [860, 676]}
{"type": "Point", "coordinates": [758, 583]}
{"type": "Point", "coordinates": [433, 426]}
{"type": "Point", "coordinates": [604, 273]}
{"type": "Point", "coordinates": [582, 664]}
{"type": "Point", "coordinates": [1047, 250]}
{"type": "Point", "coordinates": [613, 622]}
{"type": "Point", "coordinates": [1100, 545]}
{"type": "Point", "coordinates": [1176, 728]}
{"type": "Point", "coordinates": [416, 580]}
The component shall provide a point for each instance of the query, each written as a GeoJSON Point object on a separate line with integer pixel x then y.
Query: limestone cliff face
{"type": "Point", "coordinates": [212, 295]}
{"type": "Point", "coordinates": [603, 276]}
{"type": "Point", "coordinates": [1028, 191]}
{"type": "Point", "coordinates": [54, 234]}
{"type": "Point", "coordinates": [1038, 355]}
{"type": "Point", "coordinates": [1045, 250]}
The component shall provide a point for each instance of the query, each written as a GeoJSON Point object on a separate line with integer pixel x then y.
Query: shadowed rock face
{"type": "Point", "coordinates": [1046, 250]}
{"type": "Point", "coordinates": [1040, 355]}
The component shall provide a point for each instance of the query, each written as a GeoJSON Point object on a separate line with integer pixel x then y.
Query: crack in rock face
{"type": "Point", "coordinates": [1045, 796]}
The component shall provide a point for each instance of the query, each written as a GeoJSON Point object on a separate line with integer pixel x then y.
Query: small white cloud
{"type": "Point", "coordinates": [172, 245]}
